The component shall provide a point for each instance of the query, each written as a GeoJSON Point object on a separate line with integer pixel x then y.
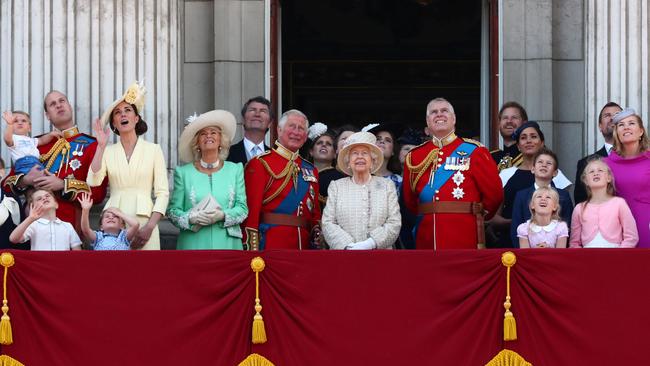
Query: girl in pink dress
{"type": "Point", "coordinates": [545, 229]}
{"type": "Point", "coordinates": [603, 220]}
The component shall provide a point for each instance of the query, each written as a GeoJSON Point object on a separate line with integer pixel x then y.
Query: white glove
{"type": "Point", "coordinates": [200, 217]}
{"type": "Point", "coordinates": [363, 245]}
{"type": "Point", "coordinates": [219, 215]}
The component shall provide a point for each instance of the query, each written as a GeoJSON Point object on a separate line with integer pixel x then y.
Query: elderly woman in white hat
{"type": "Point", "coordinates": [134, 166]}
{"type": "Point", "coordinates": [362, 210]}
{"type": "Point", "coordinates": [209, 198]}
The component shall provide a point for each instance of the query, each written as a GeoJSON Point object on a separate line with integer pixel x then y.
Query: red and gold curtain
{"type": "Point", "coordinates": [572, 307]}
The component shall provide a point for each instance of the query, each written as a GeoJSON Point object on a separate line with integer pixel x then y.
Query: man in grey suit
{"type": "Point", "coordinates": [256, 118]}
{"type": "Point", "coordinates": [607, 129]}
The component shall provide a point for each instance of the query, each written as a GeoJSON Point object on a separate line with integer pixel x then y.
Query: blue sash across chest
{"type": "Point", "coordinates": [79, 144]}
{"type": "Point", "coordinates": [441, 176]}
{"type": "Point", "coordinates": [288, 205]}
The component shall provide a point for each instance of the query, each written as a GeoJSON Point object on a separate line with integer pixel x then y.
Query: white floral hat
{"type": "Point", "coordinates": [360, 139]}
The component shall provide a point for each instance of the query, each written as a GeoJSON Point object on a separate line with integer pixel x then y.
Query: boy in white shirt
{"type": "Point", "coordinates": [43, 228]}
{"type": "Point", "coordinates": [23, 148]}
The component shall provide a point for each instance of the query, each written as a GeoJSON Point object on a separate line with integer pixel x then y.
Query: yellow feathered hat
{"type": "Point", "coordinates": [135, 95]}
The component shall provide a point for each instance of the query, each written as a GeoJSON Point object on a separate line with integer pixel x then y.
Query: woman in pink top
{"type": "Point", "coordinates": [630, 165]}
{"type": "Point", "coordinates": [603, 220]}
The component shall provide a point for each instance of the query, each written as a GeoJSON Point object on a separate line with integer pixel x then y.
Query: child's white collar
{"type": "Point", "coordinates": [548, 228]}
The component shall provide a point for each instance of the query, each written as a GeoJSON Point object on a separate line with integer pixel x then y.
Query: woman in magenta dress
{"type": "Point", "coordinates": [630, 163]}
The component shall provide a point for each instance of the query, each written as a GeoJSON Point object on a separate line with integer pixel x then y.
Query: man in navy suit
{"type": "Point", "coordinates": [257, 116]}
{"type": "Point", "coordinates": [607, 129]}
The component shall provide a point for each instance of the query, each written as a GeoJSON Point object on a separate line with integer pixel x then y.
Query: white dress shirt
{"type": "Point", "coordinates": [51, 235]}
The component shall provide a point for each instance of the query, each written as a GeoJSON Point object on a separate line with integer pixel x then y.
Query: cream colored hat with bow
{"type": "Point", "coordinates": [360, 139]}
{"type": "Point", "coordinates": [217, 118]}
{"type": "Point", "coordinates": [135, 95]}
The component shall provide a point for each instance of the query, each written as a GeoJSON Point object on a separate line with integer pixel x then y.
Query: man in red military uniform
{"type": "Point", "coordinates": [451, 183]}
{"type": "Point", "coordinates": [66, 162]}
{"type": "Point", "coordinates": [282, 192]}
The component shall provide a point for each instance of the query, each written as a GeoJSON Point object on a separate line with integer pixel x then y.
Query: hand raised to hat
{"type": "Point", "coordinates": [101, 133]}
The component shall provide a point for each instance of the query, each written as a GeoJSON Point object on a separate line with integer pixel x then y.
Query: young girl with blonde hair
{"type": "Point", "coordinates": [603, 220]}
{"type": "Point", "coordinates": [545, 229]}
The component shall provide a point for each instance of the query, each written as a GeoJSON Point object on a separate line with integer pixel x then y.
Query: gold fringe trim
{"type": "Point", "coordinates": [8, 361]}
{"type": "Point", "coordinates": [509, 324]}
{"type": "Point", "coordinates": [508, 358]}
{"type": "Point", "coordinates": [290, 172]}
{"type": "Point", "coordinates": [421, 168]}
{"type": "Point", "coordinates": [61, 146]}
{"type": "Point", "coordinates": [6, 336]}
{"type": "Point", "coordinates": [259, 332]}
{"type": "Point", "coordinates": [254, 360]}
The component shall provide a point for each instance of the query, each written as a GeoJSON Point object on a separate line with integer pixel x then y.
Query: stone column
{"type": "Point", "coordinates": [617, 60]}
{"type": "Point", "coordinates": [224, 54]}
{"type": "Point", "coordinates": [543, 67]}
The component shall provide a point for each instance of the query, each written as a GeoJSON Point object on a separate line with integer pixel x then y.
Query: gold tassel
{"type": "Point", "coordinates": [509, 324]}
{"type": "Point", "coordinates": [259, 333]}
{"type": "Point", "coordinates": [508, 358]}
{"type": "Point", "coordinates": [255, 360]}
{"type": "Point", "coordinates": [6, 336]}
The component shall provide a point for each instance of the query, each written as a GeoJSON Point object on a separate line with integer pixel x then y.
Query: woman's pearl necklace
{"type": "Point", "coordinates": [205, 165]}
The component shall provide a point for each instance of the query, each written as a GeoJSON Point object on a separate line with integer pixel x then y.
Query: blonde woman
{"type": "Point", "coordinates": [630, 164]}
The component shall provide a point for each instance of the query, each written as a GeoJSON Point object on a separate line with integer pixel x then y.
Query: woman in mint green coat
{"type": "Point", "coordinates": [209, 198]}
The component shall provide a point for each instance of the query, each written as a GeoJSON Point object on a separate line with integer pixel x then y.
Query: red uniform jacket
{"type": "Point", "coordinates": [69, 158]}
{"type": "Point", "coordinates": [477, 181]}
{"type": "Point", "coordinates": [281, 182]}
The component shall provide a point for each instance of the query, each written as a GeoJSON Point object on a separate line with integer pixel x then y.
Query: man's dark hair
{"type": "Point", "coordinates": [609, 104]}
{"type": "Point", "coordinates": [258, 99]}
{"type": "Point", "coordinates": [513, 104]}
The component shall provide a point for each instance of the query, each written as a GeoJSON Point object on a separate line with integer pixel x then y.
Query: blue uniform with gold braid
{"type": "Point", "coordinates": [68, 158]}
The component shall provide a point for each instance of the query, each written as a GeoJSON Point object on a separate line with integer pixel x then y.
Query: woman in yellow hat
{"type": "Point", "coordinates": [135, 167]}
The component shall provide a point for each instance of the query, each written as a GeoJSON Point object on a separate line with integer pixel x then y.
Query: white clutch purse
{"type": "Point", "coordinates": [208, 203]}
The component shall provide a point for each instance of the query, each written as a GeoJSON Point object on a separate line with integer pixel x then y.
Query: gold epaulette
{"type": "Point", "coordinates": [495, 150]}
{"type": "Point", "coordinates": [472, 141]}
{"type": "Point", "coordinates": [517, 160]}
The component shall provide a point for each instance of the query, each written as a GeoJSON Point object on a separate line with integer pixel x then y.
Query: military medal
{"type": "Point", "coordinates": [74, 164]}
{"type": "Point", "coordinates": [79, 150]}
{"type": "Point", "coordinates": [311, 191]}
{"type": "Point", "coordinates": [458, 178]}
{"type": "Point", "coordinates": [310, 204]}
{"type": "Point", "coordinates": [308, 175]}
{"type": "Point", "coordinates": [458, 193]}
{"type": "Point", "coordinates": [464, 164]}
